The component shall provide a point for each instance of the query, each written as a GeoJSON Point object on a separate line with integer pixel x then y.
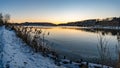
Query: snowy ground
{"type": "Point", "coordinates": [15, 54]}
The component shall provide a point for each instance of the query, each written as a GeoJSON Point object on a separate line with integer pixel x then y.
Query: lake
{"type": "Point", "coordinates": [80, 42]}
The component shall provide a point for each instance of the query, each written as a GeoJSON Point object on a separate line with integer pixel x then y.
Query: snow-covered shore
{"type": "Point", "coordinates": [15, 54]}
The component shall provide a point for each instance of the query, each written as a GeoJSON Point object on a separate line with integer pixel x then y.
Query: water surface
{"type": "Point", "coordinates": [78, 42]}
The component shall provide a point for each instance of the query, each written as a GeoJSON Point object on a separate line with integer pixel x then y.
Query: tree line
{"type": "Point", "coordinates": [113, 21]}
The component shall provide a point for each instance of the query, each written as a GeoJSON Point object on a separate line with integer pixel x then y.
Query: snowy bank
{"type": "Point", "coordinates": [16, 54]}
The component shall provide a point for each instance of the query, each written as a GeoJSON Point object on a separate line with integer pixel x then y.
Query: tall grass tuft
{"type": "Point", "coordinates": [35, 38]}
{"type": "Point", "coordinates": [103, 50]}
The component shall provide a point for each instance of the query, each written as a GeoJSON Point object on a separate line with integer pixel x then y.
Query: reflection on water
{"type": "Point", "coordinates": [76, 42]}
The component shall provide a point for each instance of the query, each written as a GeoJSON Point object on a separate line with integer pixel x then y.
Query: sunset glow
{"type": "Point", "coordinates": [59, 11]}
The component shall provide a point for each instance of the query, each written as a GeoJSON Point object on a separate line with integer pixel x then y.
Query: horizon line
{"type": "Point", "coordinates": [63, 22]}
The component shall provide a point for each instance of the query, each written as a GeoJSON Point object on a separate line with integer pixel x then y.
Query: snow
{"type": "Point", "coordinates": [14, 53]}
{"type": "Point", "coordinates": [69, 64]}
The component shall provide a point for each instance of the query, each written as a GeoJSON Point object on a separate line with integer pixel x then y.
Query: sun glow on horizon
{"type": "Point", "coordinates": [55, 21]}
{"type": "Point", "coordinates": [59, 11]}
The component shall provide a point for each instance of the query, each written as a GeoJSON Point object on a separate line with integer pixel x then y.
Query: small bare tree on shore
{"type": "Point", "coordinates": [4, 19]}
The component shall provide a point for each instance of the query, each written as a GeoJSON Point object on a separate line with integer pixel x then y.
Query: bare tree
{"type": "Point", "coordinates": [1, 19]}
{"type": "Point", "coordinates": [6, 18]}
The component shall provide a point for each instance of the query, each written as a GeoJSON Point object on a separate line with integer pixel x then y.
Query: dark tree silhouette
{"type": "Point", "coordinates": [6, 18]}
{"type": "Point", "coordinates": [1, 19]}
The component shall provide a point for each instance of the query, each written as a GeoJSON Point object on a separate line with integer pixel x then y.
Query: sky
{"type": "Point", "coordinates": [59, 11]}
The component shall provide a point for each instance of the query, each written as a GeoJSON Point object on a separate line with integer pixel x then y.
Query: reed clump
{"type": "Point", "coordinates": [35, 39]}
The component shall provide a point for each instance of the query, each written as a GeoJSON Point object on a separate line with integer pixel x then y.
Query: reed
{"type": "Point", "coordinates": [103, 50]}
{"type": "Point", "coordinates": [35, 39]}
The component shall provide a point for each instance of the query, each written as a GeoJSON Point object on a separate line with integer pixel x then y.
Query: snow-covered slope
{"type": "Point", "coordinates": [16, 54]}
